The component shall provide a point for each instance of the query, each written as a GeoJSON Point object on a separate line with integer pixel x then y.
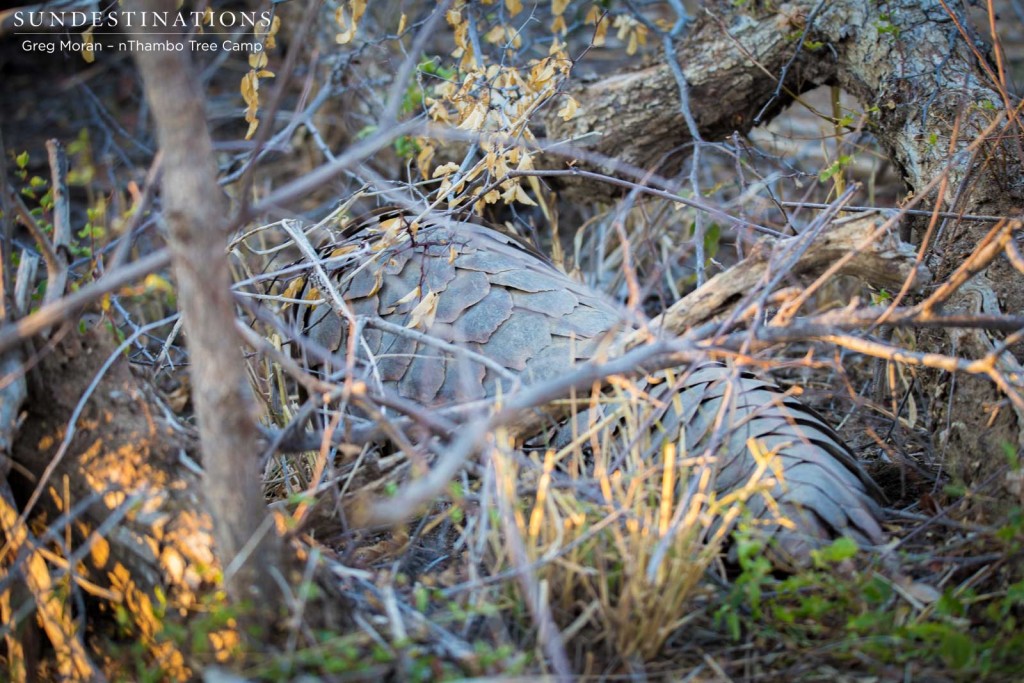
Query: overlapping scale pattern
{"type": "Point", "coordinates": [468, 285]}
{"type": "Point", "coordinates": [819, 484]}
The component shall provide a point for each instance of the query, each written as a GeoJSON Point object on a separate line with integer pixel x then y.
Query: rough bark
{"type": "Point", "coordinates": [195, 214]}
{"type": "Point", "coordinates": [932, 98]}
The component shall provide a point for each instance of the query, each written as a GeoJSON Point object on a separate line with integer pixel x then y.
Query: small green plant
{"type": "Point", "coordinates": [93, 232]}
{"type": "Point", "coordinates": [863, 614]}
{"type": "Point", "coordinates": [406, 146]}
{"type": "Point", "coordinates": [835, 167]}
{"type": "Point", "coordinates": [748, 587]}
{"type": "Point", "coordinates": [881, 297]}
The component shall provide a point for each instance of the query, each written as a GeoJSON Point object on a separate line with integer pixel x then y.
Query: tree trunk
{"type": "Point", "coordinates": [194, 208]}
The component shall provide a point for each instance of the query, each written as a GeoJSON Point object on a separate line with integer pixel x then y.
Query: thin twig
{"type": "Point", "coordinates": [50, 314]}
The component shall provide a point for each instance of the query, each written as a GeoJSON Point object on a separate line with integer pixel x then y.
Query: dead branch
{"type": "Point", "coordinates": [57, 281]}
{"type": "Point", "coordinates": [873, 252]}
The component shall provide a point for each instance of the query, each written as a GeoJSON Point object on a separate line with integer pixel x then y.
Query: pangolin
{"type": "Point", "coordinates": [486, 292]}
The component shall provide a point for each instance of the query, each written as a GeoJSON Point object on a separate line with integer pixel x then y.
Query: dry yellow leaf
{"type": "Point", "coordinates": [516, 193]}
{"type": "Point", "coordinates": [495, 35]}
{"type": "Point", "coordinates": [270, 31]}
{"type": "Point", "coordinates": [391, 228]}
{"type": "Point", "coordinates": [423, 159]}
{"type": "Point", "coordinates": [342, 251]}
{"type": "Point", "coordinates": [349, 21]}
{"type": "Point", "coordinates": [154, 282]}
{"type": "Point", "coordinates": [87, 51]}
{"type": "Point", "coordinates": [445, 169]}
{"type": "Point", "coordinates": [258, 60]}
{"type": "Point", "coordinates": [410, 297]}
{"type": "Point", "coordinates": [294, 287]}
{"type": "Point", "coordinates": [476, 118]}
{"type": "Point", "coordinates": [541, 73]}
{"type": "Point", "coordinates": [623, 23]}
{"type": "Point", "coordinates": [423, 314]}
{"type": "Point", "coordinates": [601, 34]}
{"type": "Point", "coordinates": [250, 85]}
{"type": "Point", "coordinates": [569, 110]}
{"type": "Point", "coordinates": [250, 93]}
{"type": "Point", "coordinates": [514, 7]}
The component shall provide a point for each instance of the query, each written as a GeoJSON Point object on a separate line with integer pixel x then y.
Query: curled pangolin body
{"type": "Point", "coordinates": [484, 291]}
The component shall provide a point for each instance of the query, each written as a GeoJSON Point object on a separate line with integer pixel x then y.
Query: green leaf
{"type": "Point", "coordinates": [712, 238]}
{"type": "Point", "coordinates": [836, 166]}
{"type": "Point", "coordinates": [1012, 456]}
{"type": "Point", "coordinates": [841, 549]}
{"type": "Point", "coordinates": [366, 131]}
{"type": "Point", "coordinates": [954, 490]}
{"type": "Point", "coordinates": [869, 622]}
{"type": "Point", "coordinates": [406, 147]}
{"type": "Point", "coordinates": [422, 598]}
{"type": "Point", "coordinates": [732, 622]}
{"type": "Point", "coordinates": [949, 605]}
{"type": "Point", "coordinates": [877, 591]}
{"type": "Point", "coordinates": [957, 649]}
{"type": "Point", "coordinates": [881, 297]}
{"type": "Point", "coordinates": [1015, 593]}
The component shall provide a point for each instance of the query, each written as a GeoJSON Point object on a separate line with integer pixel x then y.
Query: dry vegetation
{"type": "Point", "coordinates": [851, 233]}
